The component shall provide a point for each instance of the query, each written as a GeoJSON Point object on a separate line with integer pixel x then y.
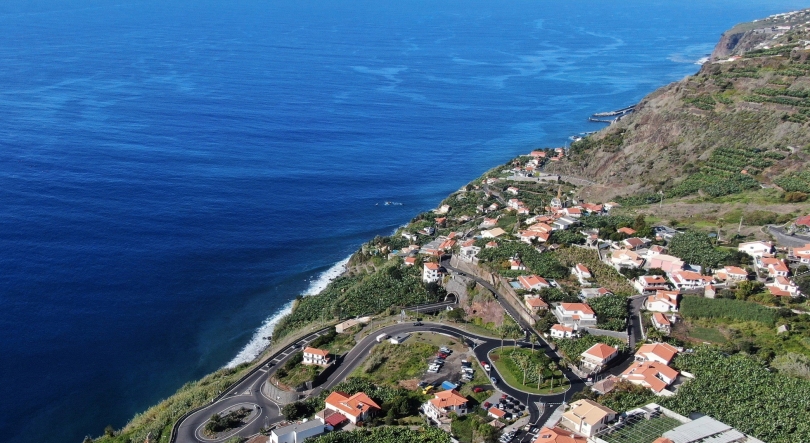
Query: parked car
{"type": "Point", "coordinates": [487, 405]}
{"type": "Point", "coordinates": [478, 389]}
{"type": "Point", "coordinates": [427, 389]}
{"type": "Point", "coordinates": [418, 323]}
{"type": "Point", "coordinates": [442, 355]}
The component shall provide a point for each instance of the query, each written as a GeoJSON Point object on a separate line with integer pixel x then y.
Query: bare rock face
{"type": "Point", "coordinates": [736, 43]}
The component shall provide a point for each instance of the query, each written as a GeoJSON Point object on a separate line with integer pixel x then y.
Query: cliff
{"type": "Point", "coordinates": [736, 125]}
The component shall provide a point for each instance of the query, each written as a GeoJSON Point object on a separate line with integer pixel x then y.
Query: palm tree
{"type": "Point", "coordinates": [533, 340]}
{"type": "Point", "coordinates": [539, 376]}
{"type": "Point", "coordinates": [551, 367]}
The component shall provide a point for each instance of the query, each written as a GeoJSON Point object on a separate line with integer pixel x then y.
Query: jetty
{"type": "Point", "coordinates": [616, 113]}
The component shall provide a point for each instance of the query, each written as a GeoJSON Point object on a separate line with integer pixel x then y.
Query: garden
{"type": "Point", "coordinates": [527, 370]}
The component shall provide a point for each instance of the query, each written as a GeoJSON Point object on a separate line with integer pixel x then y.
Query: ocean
{"type": "Point", "coordinates": [174, 173]}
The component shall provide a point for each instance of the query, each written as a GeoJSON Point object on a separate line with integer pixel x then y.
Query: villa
{"type": "Point", "coordinates": [575, 315]}
{"type": "Point", "coordinates": [443, 404]}
{"type": "Point", "coordinates": [357, 407]}
{"type": "Point", "coordinates": [587, 417]}
{"type": "Point", "coordinates": [597, 357]}
{"type": "Point", "coordinates": [315, 356]}
{"type": "Point", "coordinates": [662, 301]}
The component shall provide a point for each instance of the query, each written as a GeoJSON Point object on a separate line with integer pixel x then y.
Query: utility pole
{"type": "Point", "coordinates": [661, 202]}
{"type": "Point", "coordinates": [740, 226]}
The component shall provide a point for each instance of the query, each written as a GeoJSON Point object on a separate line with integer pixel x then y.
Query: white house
{"type": "Point", "coordinates": [775, 267]}
{"type": "Point", "coordinates": [572, 212]}
{"type": "Point", "coordinates": [783, 287]}
{"type": "Point", "coordinates": [634, 243]}
{"type": "Point", "coordinates": [581, 271]}
{"type": "Point", "coordinates": [493, 233]}
{"type": "Point", "coordinates": [625, 258]}
{"type": "Point", "coordinates": [662, 301]}
{"type": "Point", "coordinates": [731, 274]}
{"type": "Point", "coordinates": [315, 356]}
{"type": "Point", "coordinates": [649, 283]}
{"type": "Point", "coordinates": [661, 322]}
{"type": "Point", "coordinates": [756, 249]}
{"type": "Point", "coordinates": [587, 417]}
{"type": "Point", "coordinates": [802, 254]}
{"type": "Point", "coordinates": [469, 252]}
{"type": "Point", "coordinates": [652, 374]}
{"type": "Point", "coordinates": [516, 265]}
{"type": "Point", "coordinates": [659, 352]}
{"type": "Point", "coordinates": [689, 280]}
{"type": "Point", "coordinates": [443, 404]}
{"type": "Point", "coordinates": [575, 315]}
{"type": "Point", "coordinates": [563, 223]}
{"type": "Point", "coordinates": [595, 358]}
{"type": "Point", "coordinates": [533, 282]}
{"type": "Point", "coordinates": [560, 331]}
{"type": "Point", "coordinates": [664, 262]}
{"type": "Point", "coordinates": [512, 190]}
{"type": "Point", "coordinates": [298, 432]}
{"type": "Point", "coordinates": [431, 272]}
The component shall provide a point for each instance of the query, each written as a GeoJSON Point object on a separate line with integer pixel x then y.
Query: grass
{"type": "Point", "coordinates": [513, 375]}
{"type": "Point", "coordinates": [300, 374]}
{"type": "Point", "coordinates": [706, 334]}
{"type": "Point", "coordinates": [643, 431]}
{"type": "Point", "coordinates": [396, 362]}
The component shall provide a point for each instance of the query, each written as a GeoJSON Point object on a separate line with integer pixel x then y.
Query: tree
{"type": "Point", "coordinates": [748, 288]}
{"type": "Point", "coordinates": [456, 315]}
{"type": "Point", "coordinates": [696, 247]}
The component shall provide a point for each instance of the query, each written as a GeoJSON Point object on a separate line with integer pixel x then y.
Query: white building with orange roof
{"type": "Point", "coordinates": [783, 287]}
{"type": "Point", "coordinates": [595, 358]}
{"type": "Point", "coordinates": [649, 283]}
{"type": "Point", "coordinates": [358, 407]}
{"type": "Point", "coordinates": [689, 280]}
{"type": "Point", "coordinates": [756, 249]}
{"type": "Point", "coordinates": [662, 301]}
{"type": "Point", "coordinates": [581, 271]}
{"type": "Point", "coordinates": [731, 274]}
{"type": "Point", "coordinates": [625, 258]}
{"type": "Point", "coordinates": [445, 402]}
{"type": "Point", "coordinates": [516, 264]}
{"type": "Point", "coordinates": [558, 435]}
{"type": "Point", "coordinates": [431, 272]}
{"type": "Point", "coordinates": [533, 282]}
{"type": "Point", "coordinates": [651, 374]}
{"type": "Point", "coordinates": [560, 331]}
{"type": "Point", "coordinates": [587, 417]}
{"type": "Point", "coordinates": [410, 261]}
{"type": "Point", "coordinates": [512, 190]}
{"type": "Point", "coordinates": [658, 352]}
{"type": "Point", "coordinates": [776, 267]}
{"type": "Point", "coordinates": [315, 356]}
{"type": "Point", "coordinates": [801, 254]}
{"type": "Point", "coordinates": [575, 315]}
{"type": "Point", "coordinates": [626, 231]}
{"type": "Point", "coordinates": [661, 322]}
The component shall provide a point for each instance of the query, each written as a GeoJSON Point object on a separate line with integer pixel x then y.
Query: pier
{"type": "Point", "coordinates": [617, 112]}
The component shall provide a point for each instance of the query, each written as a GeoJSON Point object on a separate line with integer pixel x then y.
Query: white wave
{"type": "Point", "coordinates": [258, 342]}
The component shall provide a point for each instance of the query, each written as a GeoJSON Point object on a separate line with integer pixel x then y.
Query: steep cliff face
{"type": "Point", "coordinates": [736, 125]}
{"type": "Point", "coordinates": [736, 43]}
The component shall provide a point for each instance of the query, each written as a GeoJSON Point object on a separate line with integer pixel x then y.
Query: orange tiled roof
{"type": "Point", "coordinates": [316, 351]}
{"type": "Point", "coordinates": [354, 405]}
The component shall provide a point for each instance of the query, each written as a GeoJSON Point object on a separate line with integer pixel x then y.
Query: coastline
{"type": "Point", "coordinates": [258, 343]}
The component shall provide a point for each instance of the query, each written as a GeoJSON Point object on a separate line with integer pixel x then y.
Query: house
{"type": "Point", "coordinates": [512, 190]}
{"type": "Point", "coordinates": [298, 432]}
{"type": "Point", "coordinates": [634, 243]}
{"type": "Point", "coordinates": [575, 315]}
{"type": "Point", "coordinates": [516, 265]}
{"type": "Point", "coordinates": [447, 245]}
{"type": "Point", "coordinates": [666, 263]}
{"type": "Point", "coordinates": [662, 301]}
{"type": "Point", "coordinates": [514, 203]}
{"type": "Point", "coordinates": [706, 430]}
{"type": "Point", "coordinates": [491, 244]}
{"type": "Point", "coordinates": [399, 339]}
{"type": "Point", "coordinates": [581, 271]}
{"type": "Point", "coordinates": [537, 153]}
{"type": "Point", "coordinates": [469, 252]}
{"type": "Point", "coordinates": [541, 227]}
{"type": "Point", "coordinates": [658, 352]}
{"type": "Point", "coordinates": [443, 404]}
{"type": "Point", "coordinates": [605, 385]}
{"type": "Point", "coordinates": [756, 249]}
{"type": "Point", "coordinates": [496, 413]}
{"type": "Point", "coordinates": [626, 231]}
{"type": "Point", "coordinates": [560, 331]}
{"type": "Point", "coordinates": [350, 323]}
{"type": "Point", "coordinates": [801, 254]}
{"type": "Point", "coordinates": [595, 358]}
{"type": "Point", "coordinates": [535, 304]}
{"type": "Point", "coordinates": [431, 272]}
{"type": "Point", "coordinates": [593, 208]}
{"type": "Point", "coordinates": [563, 223]}
{"type": "Point", "coordinates": [731, 274]}
{"type": "Point", "coordinates": [528, 236]}
{"type": "Point", "coordinates": [558, 435]}
{"type": "Point", "coordinates": [533, 282]}
{"type": "Point", "coordinates": [661, 322]}
{"type": "Point", "coordinates": [611, 205]}
{"type": "Point", "coordinates": [650, 283]}
{"type": "Point", "coordinates": [410, 261]}
{"type": "Point", "coordinates": [587, 417]}
{"type": "Point", "coordinates": [625, 258]}
{"type": "Point", "coordinates": [357, 407]}
{"type": "Point", "coordinates": [689, 280]}
{"type": "Point", "coordinates": [315, 356]}
{"type": "Point", "coordinates": [589, 293]}
{"type": "Point", "coordinates": [655, 250]}
{"type": "Point", "coordinates": [651, 374]}
{"type": "Point", "coordinates": [572, 212]}
{"type": "Point", "coordinates": [783, 287]}
{"type": "Point", "coordinates": [488, 223]}
{"type": "Point", "coordinates": [493, 233]}
{"type": "Point", "coordinates": [775, 267]}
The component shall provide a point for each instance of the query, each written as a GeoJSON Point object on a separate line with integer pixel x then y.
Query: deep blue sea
{"type": "Point", "coordinates": [173, 173]}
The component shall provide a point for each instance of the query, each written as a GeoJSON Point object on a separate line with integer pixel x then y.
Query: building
{"type": "Point", "coordinates": [657, 352]}
{"type": "Point", "coordinates": [707, 429]}
{"type": "Point", "coordinates": [558, 435]}
{"type": "Point", "coordinates": [756, 249]}
{"type": "Point", "coordinates": [431, 272]}
{"type": "Point", "coordinates": [496, 413]}
{"type": "Point", "coordinates": [626, 231]}
{"type": "Point", "coordinates": [315, 356]}
{"type": "Point", "coordinates": [535, 304]}
{"type": "Point", "coordinates": [560, 331]}
{"type": "Point", "coordinates": [664, 262]}
{"type": "Point", "coordinates": [731, 274]}
{"type": "Point", "coordinates": [348, 324]}
{"type": "Point", "coordinates": [493, 233]}
{"type": "Point", "coordinates": [634, 243]}
{"type": "Point", "coordinates": [661, 322]}
{"type": "Point", "coordinates": [595, 358]}
{"type": "Point", "coordinates": [533, 282]}
{"type": "Point", "coordinates": [410, 261]}
{"type": "Point", "coordinates": [649, 283]}
{"type": "Point", "coordinates": [575, 315]}
{"type": "Point", "coordinates": [783, 287]}
{"type": "Point", "coordinates": [801, 254]}
{"type": "Point", "coordinates": [625, 258]}
{"type": "Point", "coordinates": [662, 301]}
{"type": "Point", "coordinates": [687, 280]}
{"type": "Point", "coordinates": [516, 265]}
{"type": "Point", "coordinates": [399, 338]}
{"type": "Point", "coordinates": [469, 252]}
{"type": "Point", "coordinates": [651, 374]}
{"type": "Point", "coordinates": [356, 408]}
{"type": "Point", "coordinates": [444, 403]}
{"type": "Point", "coordinates": [297, 433]}
{"type": "Point", "coordinates": [581, 271]}
{"type": "Point", "coordinates": [587, 417]}
{"type": "Point", "coordinates": [775, 267]}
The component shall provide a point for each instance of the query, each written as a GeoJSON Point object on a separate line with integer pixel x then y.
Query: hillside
{"type": "Point", "coordinates": [740, 123]}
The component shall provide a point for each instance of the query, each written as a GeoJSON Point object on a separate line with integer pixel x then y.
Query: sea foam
{"type": "Point", "coordinates": [258, 342]}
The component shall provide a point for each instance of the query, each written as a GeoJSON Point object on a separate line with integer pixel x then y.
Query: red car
{"type": "Point", "coordinates": [442, 355]}
{"type": "Point", "coordinates": [487, 405]}
{"type": "Point", "coordinates": [477, 390]}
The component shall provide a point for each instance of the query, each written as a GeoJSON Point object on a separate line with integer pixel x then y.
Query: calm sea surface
{"type": "Point", "coordinates": [173, 173]}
